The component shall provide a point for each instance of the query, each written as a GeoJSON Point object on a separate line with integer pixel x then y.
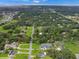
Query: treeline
{"type": "Point", "coordinates": [54, 28]}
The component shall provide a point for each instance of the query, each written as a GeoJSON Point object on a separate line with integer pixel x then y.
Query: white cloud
{"type": "Point", "coordinates": [36, 1]}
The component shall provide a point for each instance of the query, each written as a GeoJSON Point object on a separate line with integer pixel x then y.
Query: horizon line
{"type": "Point", "coordinates": [39, 5]}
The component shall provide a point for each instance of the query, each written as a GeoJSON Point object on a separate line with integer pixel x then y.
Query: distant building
{"type": "Point", "coordinates": [76, 26]}
{"type": "Point", "coordinates": [13, 45]}
{"type": "Point", "coordinates": [11, 54]}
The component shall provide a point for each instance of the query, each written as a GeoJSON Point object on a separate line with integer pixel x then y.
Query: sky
{"type": "Point", "coordinates": [39, 2]}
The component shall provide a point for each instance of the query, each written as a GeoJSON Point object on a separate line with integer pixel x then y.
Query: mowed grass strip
{"type": "Point", "coordinates": [29, 31]}
{"type": "Point", "coordinates": [25, 51]}
{"type": "Point", "coordinates": [3, 55]}
{"type": "Point", "coordinates": [35, 46]}
{"type": "Point", "coordinates": [47, 57]}
{"type": "Point", "coordinates": [25, 46]}
{"type": "Point", "coordinates": [21, 56]}
{"type": "Point", "coordinates": [4, 58]}
{"type": "Point", "coordinates": [35, 52]}
{"type": "Point", "coordinates": [73, 46]}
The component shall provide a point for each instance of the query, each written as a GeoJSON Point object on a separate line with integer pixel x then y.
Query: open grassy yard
{"type": "Point", "coordinates": [34, 46]}
{"type": "Point", "coordinates": [73, 46]}
{"type": "Point", "coordinates": [21, 56]}
{"type": "Point", "coordinates": [3, 56]}
{"type": "Point", "coordinates": [29, 31]}
{"type": "Point", "coordinates": [47, 57]}
{"type": "Point", "coordinates": [24, 48]}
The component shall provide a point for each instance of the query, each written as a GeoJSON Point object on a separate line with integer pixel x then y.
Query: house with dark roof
{"type": "Point", "coordinates": [45, 46]}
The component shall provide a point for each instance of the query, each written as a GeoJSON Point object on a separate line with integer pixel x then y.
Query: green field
{"type": "Point", "coordinates": [47, 57]}
{"type": "Point", "coordinates": [3, 56]}
{"type": "Point", "coordinates": [24, 45]}
{"type": "Point", "coordinates": [29, 31]}
{"type": "Point", "coordinates": [34, 46]}
{"type": "Point", "coordinates": [25, 49]}
{"type": "Point", "coordinates": [21, 56]}
{"type": "Point", "coordinates": [73, 46]}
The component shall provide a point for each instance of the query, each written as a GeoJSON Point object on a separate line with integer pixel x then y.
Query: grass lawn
{"type": "Point", "coordinates": [47, 57]}
{"type": "Point", "coordinates": [29, 31]}
{"type": "Point", "coordinates": [26, 46]}
{"type": "Point", "coordinates": [34, 46]}
{"type": "Point", "coordinates": [35, 52]}
{"type": "Point", "coordinates": [21, 56]}
{"type": "Point", "coordinates": [3, 56]}
{"type": "Point", "coordinates": [25, 51]}
{"type": "Point", "coordinates": [2, 30]}
{"type": "Point", "coordinates": [73, 46]}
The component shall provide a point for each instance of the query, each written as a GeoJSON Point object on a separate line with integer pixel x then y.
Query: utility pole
{"type": "Point", "coordinates": [31, 41]}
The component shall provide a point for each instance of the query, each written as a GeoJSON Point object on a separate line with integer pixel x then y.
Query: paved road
{"type": "Point", "coordinates": [30, 47]}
